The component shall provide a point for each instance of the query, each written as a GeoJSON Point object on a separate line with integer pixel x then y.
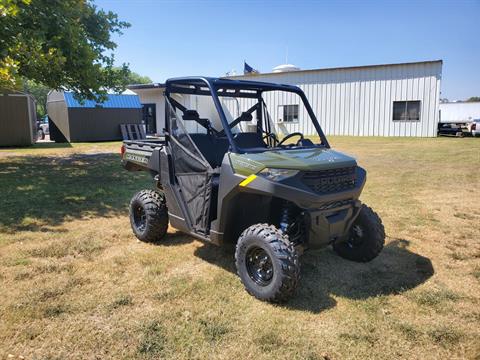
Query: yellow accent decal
{"type": "Point", "coordinates": [248, 180]}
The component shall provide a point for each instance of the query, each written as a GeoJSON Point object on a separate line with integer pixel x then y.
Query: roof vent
{"type": "Point", "coordinates": [285, 68]}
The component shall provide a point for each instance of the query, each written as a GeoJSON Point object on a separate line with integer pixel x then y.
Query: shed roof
{"type": "Point", "coordinates": [113, 101]}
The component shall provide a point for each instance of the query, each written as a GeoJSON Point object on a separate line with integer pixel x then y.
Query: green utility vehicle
{"type": "Point", "coordinates": [225, 171]}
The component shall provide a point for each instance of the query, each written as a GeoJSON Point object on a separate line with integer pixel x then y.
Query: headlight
{"type": "Point", "coordinates": [277, 174]}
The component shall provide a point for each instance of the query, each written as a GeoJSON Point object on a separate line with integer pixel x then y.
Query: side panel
{"type": "Point", "coordinates": [15, 121]}
{"type": "Point", "coordinates": [58, 115]}
{"type": "Point", "coordinates": [97, 124]}
{"type": "Point", "coordinates": [176, 208]}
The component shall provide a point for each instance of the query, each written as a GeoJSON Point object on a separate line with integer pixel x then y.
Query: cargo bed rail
{"type": "Point", "coordinates": [142, 155]}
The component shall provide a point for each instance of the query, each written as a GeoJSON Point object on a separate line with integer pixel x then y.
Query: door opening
{"type": "Point", "coordinates": [150, 118]}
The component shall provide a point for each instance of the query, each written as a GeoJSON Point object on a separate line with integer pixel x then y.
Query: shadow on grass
{"type": "Point", "coordinates": [51, 145]}
{"type": "Point", "coordinates": [325, 274]}
{"type": "Point", "coordinates": [39, 192]}
{"type": "Point", "coordinates": [39, 145]}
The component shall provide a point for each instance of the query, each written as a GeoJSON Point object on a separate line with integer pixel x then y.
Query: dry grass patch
{"type": "Point", "coordinates": [79, 286]}
{"type": "Point", "coordinates": [434, 297]}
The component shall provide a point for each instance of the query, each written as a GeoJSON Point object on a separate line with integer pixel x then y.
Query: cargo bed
{"type": "Point", "coordinates": [142, 155]}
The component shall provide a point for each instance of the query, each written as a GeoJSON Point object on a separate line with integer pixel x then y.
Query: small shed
{"type": "Point", "coordinates": [74, 121]}
{"type": "Point", "coordinates": [17, 119]}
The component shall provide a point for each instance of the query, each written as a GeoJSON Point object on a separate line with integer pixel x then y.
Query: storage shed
{"type": "Point", "coordinates": [17, 119]}
{"type": "Point", "coordinates": [74, 121]}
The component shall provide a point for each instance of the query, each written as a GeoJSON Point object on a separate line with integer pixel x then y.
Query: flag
{"type": "Point", "coordinates": [247, 69]}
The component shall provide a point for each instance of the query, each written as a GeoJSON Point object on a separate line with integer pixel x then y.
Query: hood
{"type": "Point", "coordinates": [299, 159]}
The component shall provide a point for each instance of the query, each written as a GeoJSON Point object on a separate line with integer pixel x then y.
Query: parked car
{"type": "Point", "coordinates": [474, 127]}
{"type": "Point", "coordinates": [450, 129]}
{"type": "Point", "coordinates": [42, 128]}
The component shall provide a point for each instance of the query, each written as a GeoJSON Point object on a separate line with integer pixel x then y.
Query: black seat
{"type": "Point", "coordinates": [205, 144]}
{"type": "Point", "coordinates": [213, 149]}
{"type": "Point", "coordinates": [249, 140]}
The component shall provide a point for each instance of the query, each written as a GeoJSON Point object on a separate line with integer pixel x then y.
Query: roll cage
{"type": "Point", "coordinates": [216, 87]}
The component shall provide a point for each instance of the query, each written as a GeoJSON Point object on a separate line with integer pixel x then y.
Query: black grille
{"type": "Point", "coordinates": [335, 204]}
{"type": "Point", "coordinates": [331, 180]}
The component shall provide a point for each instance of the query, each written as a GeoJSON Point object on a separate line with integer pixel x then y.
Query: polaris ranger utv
{"type": "Point", "coordinates": [226, 172]}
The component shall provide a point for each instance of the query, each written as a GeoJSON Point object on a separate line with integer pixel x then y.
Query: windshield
{"type": "Point", "coordinates": [278, 120]}
{"type": "Point", "coordinates": [250, 116]}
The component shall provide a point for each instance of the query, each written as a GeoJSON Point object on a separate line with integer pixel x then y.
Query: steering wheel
{"type": "Point", "coordinates": [290, 136]}
{"type": "Point", "coordinates": [272, 136]}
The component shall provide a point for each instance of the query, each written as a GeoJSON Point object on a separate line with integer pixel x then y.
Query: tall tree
{"type": "Point", "coordinates": [135, 78]}
{"type": "Point", "coordinates": [60, 43]}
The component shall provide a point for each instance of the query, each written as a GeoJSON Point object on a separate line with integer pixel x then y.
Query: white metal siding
{"type": "Point", "coordinates": [359, 101]}
{"type": "Point", "coordinates": [154, 96]}
{"type": "Point", "coordinates": [452, 112]}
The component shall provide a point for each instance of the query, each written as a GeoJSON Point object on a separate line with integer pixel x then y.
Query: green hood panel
{"type": "Point", "coordinates": [301, 159]}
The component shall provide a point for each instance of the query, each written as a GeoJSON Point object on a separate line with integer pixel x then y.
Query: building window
{"type": "Point", "coordinates": [288, 113]}
{"type": "Point", "coordinates": [406, 110]}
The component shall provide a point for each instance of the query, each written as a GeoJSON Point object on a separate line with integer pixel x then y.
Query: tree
{"type": "Point", "coordinates": [473, 99]}
{"type": "Point", "coordinates": [134, 78]}
{"type": "Point", "coordinates": [40, 93]}
{"type": "Point", "coordinates": [60, 43]}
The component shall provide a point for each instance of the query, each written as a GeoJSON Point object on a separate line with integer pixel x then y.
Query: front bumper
{"type": "Point", "coordinates": [331, 225]}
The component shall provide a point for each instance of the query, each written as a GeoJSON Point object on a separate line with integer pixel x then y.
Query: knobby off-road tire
{"type": "Point", "coordinates": [149, 215]}
{"type": "Point", "coordinates": [366, 237]}
{"type": "Point", "coordinates": [267, 263]}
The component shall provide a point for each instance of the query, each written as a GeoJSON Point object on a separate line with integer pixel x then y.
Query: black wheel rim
{"type": "Point", "coordinates": [140, 218]}
{"type": "Point", "coordinates": [356, 236]}
{"type": "Point", "coordinates": [259, 266]}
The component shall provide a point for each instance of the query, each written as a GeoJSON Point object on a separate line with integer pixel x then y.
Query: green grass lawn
{"type": "Point", "coordinates": [76, 284]}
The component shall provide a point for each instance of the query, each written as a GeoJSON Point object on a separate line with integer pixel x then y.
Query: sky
{"type": "Point", "coordinates": [209, 38]}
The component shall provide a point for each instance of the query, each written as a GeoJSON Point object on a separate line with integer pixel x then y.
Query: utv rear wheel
{"type": "Point", "coordinates": [149, 215]}
{"type": "Point", "coordinates": [267, 263]}
{"type": "Point", "coordinates": [365, 239]}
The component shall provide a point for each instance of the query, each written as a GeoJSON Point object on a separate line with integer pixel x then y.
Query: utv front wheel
{"type": "Point", "coordinates": [149, 215]}
{"type": "Point", "coordinates": [365, 239]}
{"type": "Point", "coordinates": [267, 263]}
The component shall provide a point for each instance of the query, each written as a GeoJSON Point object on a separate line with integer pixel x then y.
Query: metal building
{"type": "Point", "coordinates": [153, 106]}
{"type": "Point", "coordinates": [459, 112]}
{"type": "Point", "coordinates": [73, 121]}
{"type": "Point", "coordinates": [375, 100]}
{"type": "Point", "coordinates": [17, 119]}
